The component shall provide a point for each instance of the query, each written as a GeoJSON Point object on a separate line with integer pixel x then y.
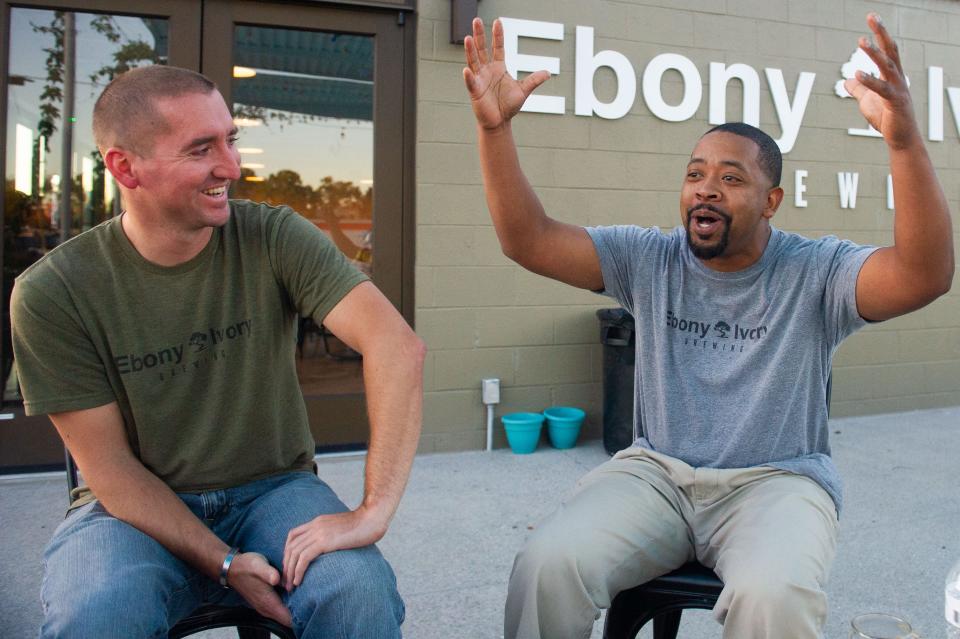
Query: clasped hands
{"type": "Point", "coordinates": [256, 580]}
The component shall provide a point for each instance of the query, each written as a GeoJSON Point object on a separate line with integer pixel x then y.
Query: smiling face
{"type": "Point", "coordinates": [727, 201]}
{"type": "Point", "coordinates": [184, 177]}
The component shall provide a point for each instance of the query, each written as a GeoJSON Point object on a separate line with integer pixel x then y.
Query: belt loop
{"type": "Point", "coordinates": [205, 505]}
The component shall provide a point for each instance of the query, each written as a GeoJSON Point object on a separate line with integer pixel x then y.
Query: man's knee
{"type": "Point", "coordinates": [350, 593]}
{"type": "Point", "coordinates": [121, 608]}
{"type": "Point", "coordinates": [104, 578]}
{"type": "Point", "coordinates": [773, 599]}
{"type": "Point", "coordinates": [547, 557]}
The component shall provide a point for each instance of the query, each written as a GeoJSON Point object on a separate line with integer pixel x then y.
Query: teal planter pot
{"type": "Point", "coordinates": [523, 431]}
{"type": "Point", "coordinates": [563, 425]}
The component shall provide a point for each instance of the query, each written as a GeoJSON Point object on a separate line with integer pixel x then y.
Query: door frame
{"type": "Point", "coordinates": [184, 17]}
{"type": "Point", "coordinates": [30, 444]}
{"type": "Point", "coordinates": [190, 21]}
{"type": "Point", "coordinates": [394, 137]}
{"type": "Point", "coordinates": [340, 422]}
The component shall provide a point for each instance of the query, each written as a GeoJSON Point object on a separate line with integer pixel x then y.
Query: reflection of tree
{"type": "Point", "coordinates": [26, 237]}
{"type": "Point", "coordinates": [282, 187]}
{"type": "Point", "coordinates": [26, 229]}
{"type": "Point", "coordinates": [250, 112]}
{"type": "Point", "coordinates": [283, 118]}
{"type": "Point", "coordinates": [332, 201]}
{"type": "Point", "coordinates": [342, 198]}
{"type": "Point", "coordinates": [127, 55]}
{"type": "Point", "coordinates": [52, 95]}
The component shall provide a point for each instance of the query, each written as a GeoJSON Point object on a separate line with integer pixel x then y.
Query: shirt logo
{"type": "Point", "coordinates": [173, 360]}
{"type": "Point", "coordinates": [198, 341]}
{"type": "Point", "coordinates": [715, 335]}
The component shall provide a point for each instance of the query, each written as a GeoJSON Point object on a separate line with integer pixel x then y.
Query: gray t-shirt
{"type": "Point", "coordinates": [732, 368]}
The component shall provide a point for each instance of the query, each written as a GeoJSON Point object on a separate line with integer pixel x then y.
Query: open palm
{"type": "Point", "coordinates": [885, 101]}
{"type": "Point", "coordinates": [495, 95]}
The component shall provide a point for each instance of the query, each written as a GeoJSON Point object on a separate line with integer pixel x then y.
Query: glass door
{"type": "Point", "coordinates": [56, 62]}
{"type": "Point", "coordinates": [324, 99]}
{"type": "Point", "coordinates": [318, 96]}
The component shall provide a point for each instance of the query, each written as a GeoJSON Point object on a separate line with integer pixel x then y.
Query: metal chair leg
{"type": "Point", "coordinates": [667, 624]}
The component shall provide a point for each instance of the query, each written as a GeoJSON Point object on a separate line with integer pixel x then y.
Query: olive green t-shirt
{"type": "Point", "coordinates": [198, 356]}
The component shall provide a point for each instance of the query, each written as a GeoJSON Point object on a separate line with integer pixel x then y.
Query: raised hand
{"type": "Point", "coordinates": [885, 101]}
{"type": "Point", "coordinates": [495, 95]}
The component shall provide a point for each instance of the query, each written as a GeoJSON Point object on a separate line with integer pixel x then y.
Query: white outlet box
{"type": "Point", "coordinates": [491, 390]}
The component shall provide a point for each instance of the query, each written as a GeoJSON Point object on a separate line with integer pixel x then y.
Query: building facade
{"type": "Point", "coordinates": [355, 113]}
{"type": "Point", "coordinates": [622, 162]}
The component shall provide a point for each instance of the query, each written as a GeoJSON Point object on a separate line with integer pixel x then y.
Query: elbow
{"type": "Point", "coordinates": [935, 288]}
{"type": "Point", "coordinates": [948, 275]}
{"type": "Point", "coordinates": [945, 282]}
{"type": "Point", "coordinates": [513, 254]}
{"type": "Point", "coordinates": [419, 348]}
{"type": "Point", "coordinates": [522, 247]}
{"type": "Point", "coordinates": [415, 352]}
{"type": "Point", "coordinates": [931, 281]}
{"type": "Point", "coordinates": [523, 254]}
{"type": "Point", "coordinates": [513, 251]}
{"type": "Point", "coordinates": [417, 356]}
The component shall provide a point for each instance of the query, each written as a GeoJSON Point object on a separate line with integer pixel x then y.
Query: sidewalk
{"type": "Point", "coordinates": [465, 514]}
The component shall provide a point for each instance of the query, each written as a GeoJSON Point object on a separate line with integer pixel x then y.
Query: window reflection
{"type": "Point", "coordinates": [303, 101]}
{"type": "Point", "coordinates": [56, 184]}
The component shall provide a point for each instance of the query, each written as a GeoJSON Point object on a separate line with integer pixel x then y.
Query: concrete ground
{"type": "Point", "coordinates": [466, 514]}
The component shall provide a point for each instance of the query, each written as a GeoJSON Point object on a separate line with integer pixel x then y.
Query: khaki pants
{"type": "Point", "coordinates": [770, 536]}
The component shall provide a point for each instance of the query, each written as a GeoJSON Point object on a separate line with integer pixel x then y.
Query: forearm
{"type": "Point", "coordinates": [133, 494]}
{"type": "Point", "coordinates": [517, 213]}
{"type": "Point", "coordinates": [393, 378]}
{"type": "Point", "coordinates": [136, 496]}
{"type": "Point", "coordinates": [923, 233]}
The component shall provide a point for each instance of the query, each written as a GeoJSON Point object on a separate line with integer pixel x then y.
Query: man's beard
{"type": "Point", "coordinates": [716, 250]}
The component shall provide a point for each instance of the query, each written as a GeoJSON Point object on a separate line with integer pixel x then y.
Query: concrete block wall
{"type": "Point", "coordinates": [482, 316]}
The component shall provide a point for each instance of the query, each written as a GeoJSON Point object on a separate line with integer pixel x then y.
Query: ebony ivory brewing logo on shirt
{"type": "Point", "coordinates": [202, 348]}
{"type": "Point", "coordinates": [716, 335]}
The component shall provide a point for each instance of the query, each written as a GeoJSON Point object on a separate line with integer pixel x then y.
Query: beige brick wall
{"type": "Point", "coordinates": [482, 316]}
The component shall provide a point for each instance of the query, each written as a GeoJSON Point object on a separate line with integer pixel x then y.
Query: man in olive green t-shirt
{"type": "Point", "coordinates": [161, 343]}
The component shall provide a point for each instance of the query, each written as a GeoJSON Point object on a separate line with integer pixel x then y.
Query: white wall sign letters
{"type": "Point", "coordinates": [789, 110]}
{"type": "Point", "coordinates": [585, 101]}
{"type": "Point", "coordinates": [516, 62]}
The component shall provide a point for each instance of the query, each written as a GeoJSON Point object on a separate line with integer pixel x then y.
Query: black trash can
{"type": "Point", "coordinates": [618, 336]}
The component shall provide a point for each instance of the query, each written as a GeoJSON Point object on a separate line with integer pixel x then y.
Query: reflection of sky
{"type": "Point", "coordinates": [314, 149]}
{"type": "Point", "coordinates": [28, 59]}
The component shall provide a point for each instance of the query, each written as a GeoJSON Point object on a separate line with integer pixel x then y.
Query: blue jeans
{"type": "Point", "coordinates": [104, 578]}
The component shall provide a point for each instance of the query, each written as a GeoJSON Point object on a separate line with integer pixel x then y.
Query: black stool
{"type": "Point", "coordinates": [249, 623]}
{"type": "Point", "coordinates": [662, 599]}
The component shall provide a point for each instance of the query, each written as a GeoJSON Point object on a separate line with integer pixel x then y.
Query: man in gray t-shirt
{"type": "Point", "coordinates": [732, 367]}
{"type": "Point", "coordinates": [737, 323]}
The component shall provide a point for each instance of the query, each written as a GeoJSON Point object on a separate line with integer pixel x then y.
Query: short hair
{"type": "Point", "coordinates": [126, 113]}
{"type": "Point", "coordinates": [768, 156]}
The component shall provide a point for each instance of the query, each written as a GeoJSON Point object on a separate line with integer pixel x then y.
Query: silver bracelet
{"type": "Point", "coordinates": [225, 566]}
